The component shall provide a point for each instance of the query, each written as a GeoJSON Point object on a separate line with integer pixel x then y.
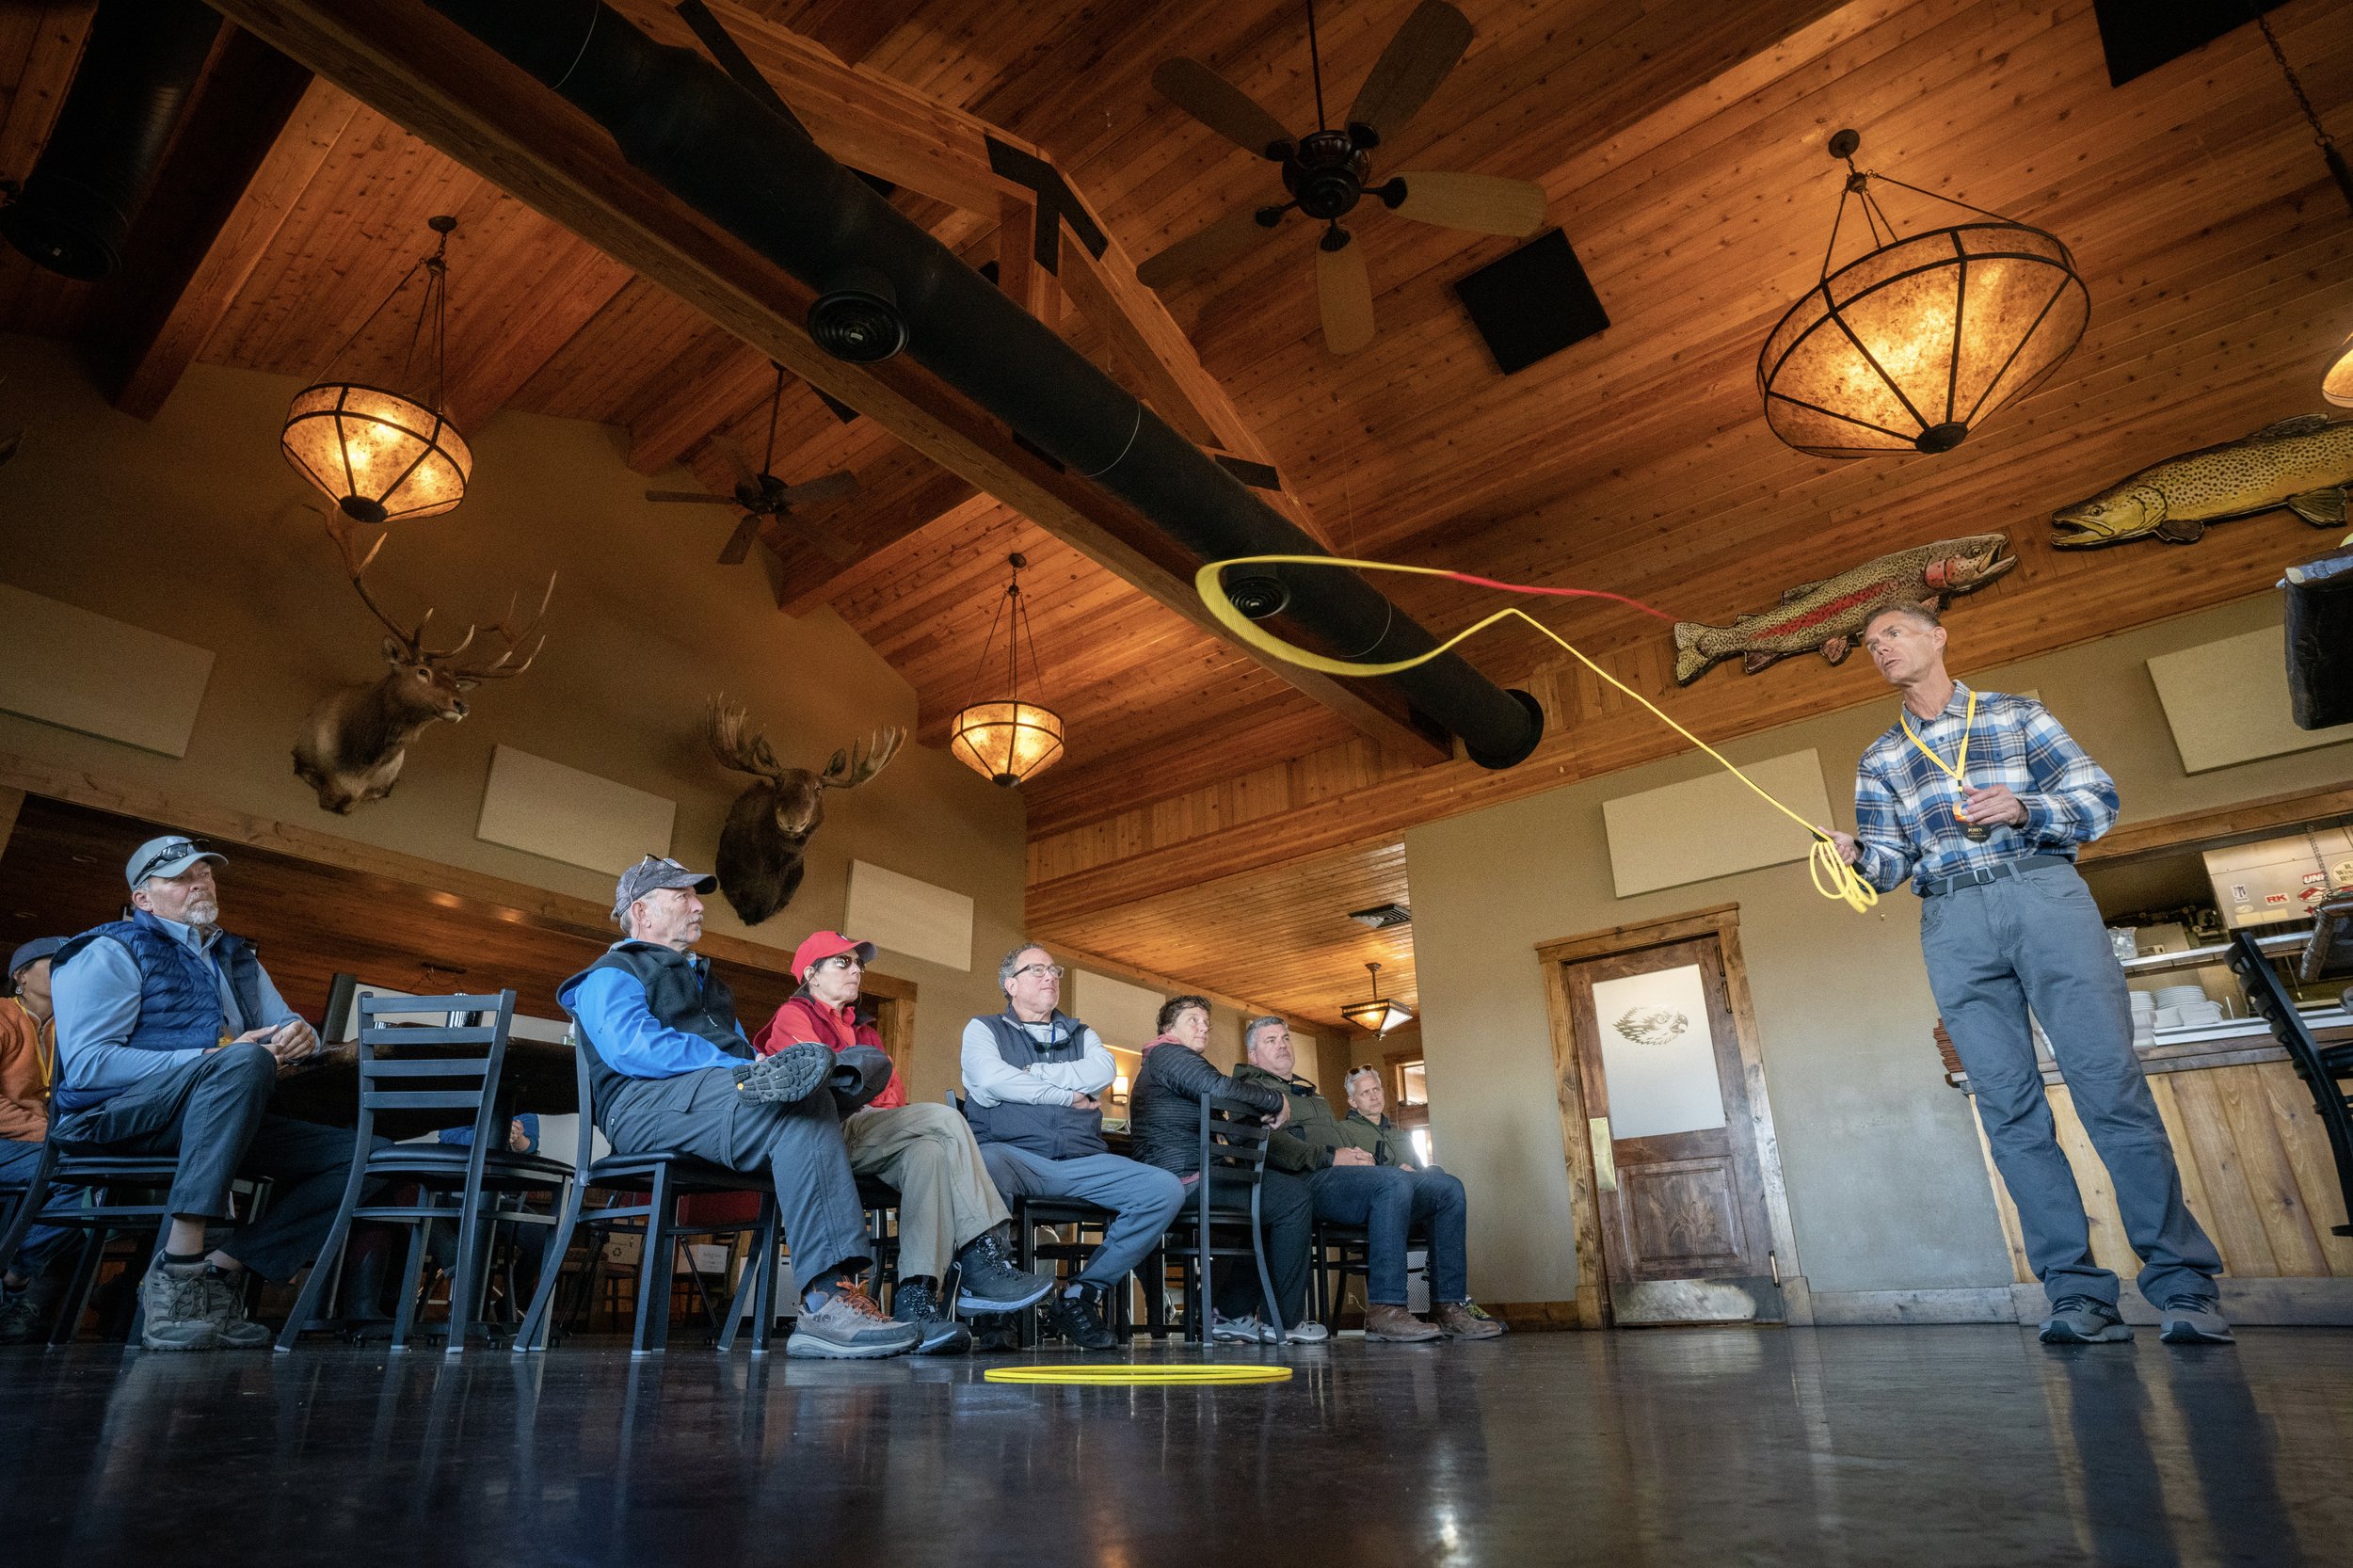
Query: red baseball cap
{"type": "Point", "coordinates": [821, 945]}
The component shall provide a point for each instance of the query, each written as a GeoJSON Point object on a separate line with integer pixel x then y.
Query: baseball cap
{"type": "Point", "coordinates": [33, 952]}
{"type": "Point", "coordinates": [168, 856]}
{"type": "Point", "coordinates": [821, 945]}
{"type": "Point", "coordinates": [652, 874]}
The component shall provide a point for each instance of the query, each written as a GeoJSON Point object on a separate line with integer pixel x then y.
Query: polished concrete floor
{"type": "Point", "coordinates": [1906, 1445]}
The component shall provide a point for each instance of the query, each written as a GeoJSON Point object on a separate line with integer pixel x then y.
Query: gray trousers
{"type": "Point", "coordinates": [18, 1161]}
{"type": "Point", "coordinates": [1143, 1197]}
{"type": "Point", "coordinates": [209, 1111]}
{"type": "Point", "coordinates": [2036, 941]}
{"type": "Point", "coordinates": [797, 1146]}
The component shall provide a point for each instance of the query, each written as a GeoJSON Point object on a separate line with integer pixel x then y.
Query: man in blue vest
{"type": "Point", "coordinates": [170, 1039]}
{"type": "Point", "coordinates": [670, 1071]}
{"type": "Point", "coordinates": [1033, 1084]}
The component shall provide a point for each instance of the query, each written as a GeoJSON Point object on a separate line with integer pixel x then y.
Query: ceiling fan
{"type": "Point", "coordinates": [1328, 171]}
{"type": "Point", "coordinates": [761, 496]}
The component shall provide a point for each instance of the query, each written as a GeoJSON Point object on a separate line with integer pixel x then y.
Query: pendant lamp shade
{"type": "Point", "coordinates": [1909, 346]}
{"type": "Point", "coordinates": [387, 453]}
{"type": "Point", "coordinates": [1007, 738]}
{"type": "Point", "coordinates": [2337, 386]}
{"type": "Point", "coordinates": [1375, 1014]}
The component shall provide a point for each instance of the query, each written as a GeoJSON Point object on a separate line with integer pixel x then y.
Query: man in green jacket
{"type": "Point", "coordinates": [1366, 1127]}
{"type": "Point", "coordinates": [1350, 1188]}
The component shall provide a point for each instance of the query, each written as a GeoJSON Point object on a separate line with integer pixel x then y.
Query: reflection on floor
{"type": "Point", "coordinates": [1865, 1446]}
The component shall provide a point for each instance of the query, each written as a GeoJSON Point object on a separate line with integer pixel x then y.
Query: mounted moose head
{"type": "Point", "coordinates": [356, 739]}
{"type": "Point", "coordinates": [760, 849]}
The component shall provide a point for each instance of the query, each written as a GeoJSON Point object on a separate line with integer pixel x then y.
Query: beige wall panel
{"type": "Point", "coordinates": [67, 666]}
{"type": "Point", "coordinates": [910, 916]}
{"type": "Point", "coordinates": [1122, 1013]}
{"type": "Point", "coordinates": [2227, 702]}
{"type": "Point", "coordinates": [566, 814]}
{"type": "Point", "coordinates": [1714, 825]}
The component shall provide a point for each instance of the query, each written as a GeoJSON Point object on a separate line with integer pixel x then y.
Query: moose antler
{"type": "Point", "coordinates": [356, 564]}
{"type": "Point", "coordinates": [724, 729]}
{"type": "Point", "coordinates": [848, 769]}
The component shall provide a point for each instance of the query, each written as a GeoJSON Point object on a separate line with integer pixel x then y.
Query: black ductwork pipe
{"type": "Point", "coordinates": [683, 122]}
{"type": "Point", "coordinates": [137, 71]}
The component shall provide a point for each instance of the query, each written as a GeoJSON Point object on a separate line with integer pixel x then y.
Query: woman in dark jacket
{"type": "Point", "coordinates": [1164, 1128]}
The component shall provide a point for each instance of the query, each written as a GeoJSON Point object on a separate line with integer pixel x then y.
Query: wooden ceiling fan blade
{"type": "Point", "coordinates": [1229, 238]}
{"type": "Point", "coordinates": [1482, 203]}
{"type": "Point", "coordinates": [1344, 295]}
{"type": "Point", "coordinates": [829, 486]}
{"type": "Point", "coordinates": [1220, 105]}
{"type": "Point", "coordinates": [690, 495]}
{"type": "Point", "coordinates": [740, 542]}
{"type": "Point", "coordinates": [1410, 68]}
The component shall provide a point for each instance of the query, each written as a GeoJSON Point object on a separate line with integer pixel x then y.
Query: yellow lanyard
{"type": "Point", "coordinates": [1959, 764]}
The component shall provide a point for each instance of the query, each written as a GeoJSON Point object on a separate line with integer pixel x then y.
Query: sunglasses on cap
{"type": "Point", "coordinates": [178, 849]}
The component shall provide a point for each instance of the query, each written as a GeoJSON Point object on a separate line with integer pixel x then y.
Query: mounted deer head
{"type": "Point", "coordinates": [760, 849]}
{"type": "Point", "coordinates": [354, 742]}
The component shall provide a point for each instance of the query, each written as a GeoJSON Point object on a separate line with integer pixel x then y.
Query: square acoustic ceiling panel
{"type": "Point", "coordinates": [1534, 302]}
{"type": "Point", "coordinates": [2139, 35]}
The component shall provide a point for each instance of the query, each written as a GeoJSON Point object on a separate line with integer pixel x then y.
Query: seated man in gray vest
{"type": "Point", "coordinates": [170, 1038]}
{"type": "Point", "coordinates": [671, 1072]}
{"type": "Point", "coordinates": [1033, 1082]}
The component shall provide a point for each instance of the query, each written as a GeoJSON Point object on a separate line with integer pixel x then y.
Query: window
{"type": "Point", "coordinates": [1413, 1084]}
{"type": "Point", "coordinates": [1421, 1148]}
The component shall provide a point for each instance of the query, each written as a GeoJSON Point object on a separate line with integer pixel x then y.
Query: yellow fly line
{"type": "Point", "coordinates": [1117, 1373]}
{"type": "Point", "coordinates": [1833, 877]}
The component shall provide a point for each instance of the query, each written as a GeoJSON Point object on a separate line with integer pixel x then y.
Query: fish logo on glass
{"type": "Point", "coordinates": [1651, 1026]}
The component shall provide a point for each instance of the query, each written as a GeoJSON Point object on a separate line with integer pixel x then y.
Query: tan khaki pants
{"type": "Point", "coordinates": [946, 1199]}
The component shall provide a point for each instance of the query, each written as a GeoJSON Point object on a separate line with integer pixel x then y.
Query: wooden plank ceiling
{"type": "Point", "coordinates": [1682, 149]}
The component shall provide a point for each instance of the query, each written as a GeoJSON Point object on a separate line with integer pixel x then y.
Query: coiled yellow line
{"type": "Point", "coordinates": [1118, 1373]}
{"type": "Point", "coordinates": [1833, 877]}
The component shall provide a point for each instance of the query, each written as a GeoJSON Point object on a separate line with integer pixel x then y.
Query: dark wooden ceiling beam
{"type": "Point", "coordinates": [52, 38]}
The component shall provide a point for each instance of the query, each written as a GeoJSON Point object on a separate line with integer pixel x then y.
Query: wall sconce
{"type": "Point", "coordinates": [1119, 1089]}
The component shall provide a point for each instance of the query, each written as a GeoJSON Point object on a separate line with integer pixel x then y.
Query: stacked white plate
{"type": "Point", "coordinates": [2179, 995]}
{"type": "Point", "coordinates": [2144, 1017]}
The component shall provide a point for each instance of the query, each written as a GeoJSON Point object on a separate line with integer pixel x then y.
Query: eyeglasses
{"type": "Point", "coordinates": [838, 961]}
{"type": "Point", "coordinates": [1051, 970]}
{"type": "Point", "coordinates": [176, 850]}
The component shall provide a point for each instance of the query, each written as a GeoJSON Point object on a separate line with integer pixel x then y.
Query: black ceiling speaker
{"type": "Point", "coordinates": [1533, 302]}
{"type": "Point", "coordinates": [2139, 35]}
{"type": "Point", "coordinates": [137, 71]}
{"type": "Point", "coordinates": [858, 318]}
{"type": "Point", "coordinates": [1257, 595]}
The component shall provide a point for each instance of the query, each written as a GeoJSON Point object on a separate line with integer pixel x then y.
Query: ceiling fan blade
{"type": "Point", "coordinates": [1482, 203]}
{"type": "Point", "coordinates": [1411, 68]}
{"type": "Point", "coordinates": [1229, 238]}
{"type": "Point", "coordinates": [829, 486]}
{"type": "Point", "coordinates": [1220, 105]}
{"type": "Point", "coordinates": [827, 542]}
{"type": "Point", "coordinates": [740, 542]}
{"type": "Point", "coordinates": [1344, 294]}
{"type": "Point", "coordinates": [690, 495]}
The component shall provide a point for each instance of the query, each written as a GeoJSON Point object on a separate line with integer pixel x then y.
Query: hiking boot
{"type": "Point", "coordinates": [224, 1303]}
{"type": "Point", "coordinates": [1307, 1333]}
{"type": "Point", "coordinates": [1461, 1320]}
{"type": "Point", "coordinates": [2193, 1321]}
{"type": "Point", "coordinates": [917, 1302]}
{"type": "Point", "coordinates": [177, 1307]}
{"type": "Point", "coordinates": [20, 1314]}
{"type": "Point", "coordinates": [791, 1074]}
{"type": "Point", "coordinates": [848, 1326]}
{"type": "Point", "coordinates": [1079, 1319]}
{"type": "Point", "coordinates": [2085, 1320]}
{"type": "Point", "coordinates": [988, 1282]}
{"type": "Point", "coordinates": [1397, 1324]}
{"type": "Point", "coordinates": [1241, 1331]}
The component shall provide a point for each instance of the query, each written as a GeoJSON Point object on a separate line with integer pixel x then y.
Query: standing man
{"type": "Point", "coordinates": [1034, 1082]}
{"type": "Point", "coordinates": [170, 1039]}
{"type": "Point", "coordinates": [671, 1072]}
{"type": "Point", "coordinates": [1983, 800]}
{"type": "Point", "coordinates": [949, 1209]}
{"type": "Point", "coordinates": [28, 1065]}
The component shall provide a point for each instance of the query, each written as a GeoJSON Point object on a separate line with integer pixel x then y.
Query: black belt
{"type": "Point", "coordinates": [1932, 886]}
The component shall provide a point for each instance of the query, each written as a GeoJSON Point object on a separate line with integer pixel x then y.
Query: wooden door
{"type": "Point", "coordinates": [1677, 1171]}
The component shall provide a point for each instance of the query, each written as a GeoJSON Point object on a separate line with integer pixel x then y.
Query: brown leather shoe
{"type": "Point", "coordinates": [1395, 1322]}
{"type": "Point", "coordinates": [1461, 1320]}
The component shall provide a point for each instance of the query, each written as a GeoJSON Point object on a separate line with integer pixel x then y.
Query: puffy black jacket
{"type": "Point", "coordinates": [1165, 1109]}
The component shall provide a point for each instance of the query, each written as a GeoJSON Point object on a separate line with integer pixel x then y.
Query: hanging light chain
{"type": "Point", "coordinates": [2311, 116]}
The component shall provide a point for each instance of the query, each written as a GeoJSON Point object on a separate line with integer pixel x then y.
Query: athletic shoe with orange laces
{"type": "Point", "coordinates": [846, 1325]}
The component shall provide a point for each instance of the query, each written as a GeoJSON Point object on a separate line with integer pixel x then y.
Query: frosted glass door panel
{"type": "Point", "coordinates": [1658, 1054]}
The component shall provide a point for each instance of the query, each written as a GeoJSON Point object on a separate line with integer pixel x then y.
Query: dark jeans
{"type": "Point", "coordinates": [797, 1146]}
{"type": "Point", "coordinates": [18, 1161]}
{"type": "Point", "coordinates": [1388, 1202]}
{"type": "Point", "coordinates": [208, 1112]}
{"type": "Point", "coordinates": [1285, 1221]}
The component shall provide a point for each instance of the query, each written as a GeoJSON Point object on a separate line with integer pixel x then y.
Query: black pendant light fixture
{"type": "Point", "coordinates": [1908, 346]}
{"type": "Point", "coordinates": [1005, 738]}
{"type": "Point", "coordinates": [1376, 1014]}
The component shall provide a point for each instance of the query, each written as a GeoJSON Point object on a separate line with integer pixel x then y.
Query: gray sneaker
{"type": "Point", "coordinates": [1308, 1332]}
{"type": "Point", "coordinates": [1241, 1331]}
{"type": "Point", "coordinates": [791, 1074]}
{"type": "Point", "coordinates": [224, 1303]}
{"type": "Point", "coordinates": [2193, 1321]}
{"type": "Point", "coordinates": [850, 1327]}
{"type": "Point", "coordinates": [2084, 1321]}
{"type": "Point", "coordinates": [177, 1309]}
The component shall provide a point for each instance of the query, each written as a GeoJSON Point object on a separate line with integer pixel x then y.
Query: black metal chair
{"type": "Point", "coordinates": [663, 1178]}
{"type": "Point", "coordinates": [1233, 1145]}
{"type": "Point", "coordinates": [1338, 1252]}
{"type": "Point", "coordinates": [1029, 1214]}
{"type": "Point", "coordinates": [2324, 1069]}
{"type": "Point", "coordinates": [452, 1066]}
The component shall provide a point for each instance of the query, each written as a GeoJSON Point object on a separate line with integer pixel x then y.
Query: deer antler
{"type": "Point", "coordinates": [356, 566]}
{"type": "Point", "coordinates": [502, 667]}
{"type": "Point", "coordinates": [724, 729]}
{"type": "Point", "coordinates": [850, 769]}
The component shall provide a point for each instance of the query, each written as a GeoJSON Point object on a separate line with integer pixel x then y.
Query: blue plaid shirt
{"type": "Point", "coordinates": [1904, 804]}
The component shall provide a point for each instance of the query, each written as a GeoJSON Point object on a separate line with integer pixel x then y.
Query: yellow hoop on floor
{"type": "Point", "coordinates": [1079, 1372]}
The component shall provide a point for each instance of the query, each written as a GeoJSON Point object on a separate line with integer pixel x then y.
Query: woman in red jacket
{"type": "Point", "coordinates": [949, 1209]}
